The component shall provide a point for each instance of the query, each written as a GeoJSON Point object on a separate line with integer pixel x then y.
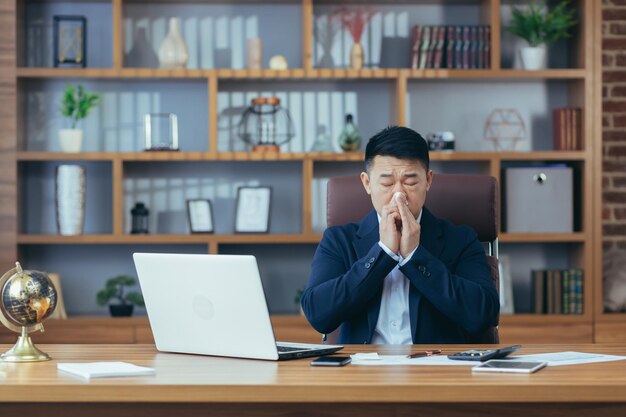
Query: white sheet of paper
{"type": "Point", "coordinates": [569, 358]}
{"type": "Point", "coordinates": [435, 360]}
{"type": "Point", "coordinates": [89, 370]}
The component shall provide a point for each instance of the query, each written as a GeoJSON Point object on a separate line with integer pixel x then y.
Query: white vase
{"type": "Point", "coordinates": [173, 52]}
{"type": "Point", "coordinates": [69, 199]}
{"type": "Point", "coordinates": [534, 57]}
{"type": "Point", "coordinates": [70, 140]}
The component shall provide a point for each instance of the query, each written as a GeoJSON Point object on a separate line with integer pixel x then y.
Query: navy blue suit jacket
{"type": "Point", "coordinates": [451, 298]}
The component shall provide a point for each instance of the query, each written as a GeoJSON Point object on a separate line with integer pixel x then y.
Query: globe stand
{"type": "Point", "coordinates": [24, 351]}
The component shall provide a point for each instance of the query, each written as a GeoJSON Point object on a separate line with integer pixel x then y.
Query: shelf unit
{"type": "Point", "coordinates": [583, 81]}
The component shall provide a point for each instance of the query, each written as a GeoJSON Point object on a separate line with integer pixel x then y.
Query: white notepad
{"type": "Point", "coordinates": [89, 370]}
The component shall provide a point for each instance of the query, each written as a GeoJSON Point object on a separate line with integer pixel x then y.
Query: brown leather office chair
{"type": "Point", "coordinates": [460, 199]}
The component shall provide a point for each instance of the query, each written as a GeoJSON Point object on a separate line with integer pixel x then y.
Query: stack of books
{"type": "Point", "coordinates": [566, 127]}
{"type": "Point", "coordinates": [557, 291]}
{"type": "Point", "coordinates": [458, 47]}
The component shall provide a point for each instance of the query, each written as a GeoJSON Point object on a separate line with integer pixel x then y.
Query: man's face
{"type": "Point", "coordinates": [389, 175]}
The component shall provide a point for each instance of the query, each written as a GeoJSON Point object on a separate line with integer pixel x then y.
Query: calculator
{"type": "Point", "coordinates": [484, 355]}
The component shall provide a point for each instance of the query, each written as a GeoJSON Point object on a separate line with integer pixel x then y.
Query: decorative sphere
{"type": "Point", "coordinates": [28, 297]}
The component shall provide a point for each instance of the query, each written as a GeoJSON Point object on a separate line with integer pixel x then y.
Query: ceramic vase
{"type": "Point", "coordinates": [357, 56]}
{"type": "Point", "coordinates": [254, 54]}
{"type": "Point", "coordinates": [69, 199]}
{"type": "Point", "coordinates": [173, 52]}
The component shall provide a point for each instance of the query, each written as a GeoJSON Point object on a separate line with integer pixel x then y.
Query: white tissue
{"type": "Point", "coordinates": [396, 195]}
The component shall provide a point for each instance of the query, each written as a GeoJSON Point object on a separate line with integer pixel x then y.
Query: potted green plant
{"type": "Point", "coordinates": [115, 289]}
{"type": "Point", "coordinates": [540, 27]}
{"type": "Point", "coordinates": [76, 103]}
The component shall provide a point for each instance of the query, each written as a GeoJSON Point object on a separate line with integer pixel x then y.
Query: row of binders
{"type": "Point", "coordinates": [557, 291]}
{"type": "Point", "coordinates": [458, 47]}
{"type": "Point", "coordinates": [566, 127]}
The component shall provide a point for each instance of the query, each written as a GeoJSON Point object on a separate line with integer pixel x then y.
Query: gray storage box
{"type": "Point", "coordinates": [539, 200]}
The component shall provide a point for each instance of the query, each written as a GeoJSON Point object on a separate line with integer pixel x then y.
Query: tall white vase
{"type": "Point", "coordinates": [173, 52]}
{"type": "Point", "coordinates": [69, 199]}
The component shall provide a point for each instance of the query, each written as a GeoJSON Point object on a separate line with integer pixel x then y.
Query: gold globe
{"type": "Point", "coordinates": [27, 298]}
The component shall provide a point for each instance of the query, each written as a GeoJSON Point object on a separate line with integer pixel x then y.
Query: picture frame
{"type": "Point", "coordinates": [200, 216]}
{"type": "Point", "coordinates": [252, 214]}
{"type": "Point", "coordinates": [69, 41]}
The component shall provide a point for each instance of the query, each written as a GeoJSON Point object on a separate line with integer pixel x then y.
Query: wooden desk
{"type": "Point", "coordinates": [209, 386]}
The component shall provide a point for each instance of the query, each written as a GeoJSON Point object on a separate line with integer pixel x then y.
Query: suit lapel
{"type": "Point", "coordinates": [431, 238]}
{"type": "Point", "coordinates": [368, 236]}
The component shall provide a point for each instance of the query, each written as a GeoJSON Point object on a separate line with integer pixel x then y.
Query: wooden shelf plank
{"type": "Point", "coordinates": [556, 74]}
{"type": "Point", "coordinates": [32, 239]}
{"type": "Point", "coordinates": [254, 238]}
{"type": "Point", "coordinates": [292, 156]}
{"type": "Point", "coordinates": [110, 239]}
{"type": "Point", "coordinates": [538, 319]}
{"type": "Point", "coordinates": [65, 156]}
{"type": "Point", "coordinates": [298, 73]}
{"type": "Point", "coordinates": [543, 237]}
{"type": "Point", "coordinates": [269, 238]}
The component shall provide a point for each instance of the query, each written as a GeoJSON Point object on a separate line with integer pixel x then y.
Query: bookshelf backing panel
{"type": "Point", "coordinates": [165, 187]}
{"type": "Point", "coordinates": [117, 124]}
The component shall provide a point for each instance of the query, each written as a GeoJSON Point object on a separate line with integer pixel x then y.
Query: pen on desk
{"type": "Point", "coordinates": [425, 353]}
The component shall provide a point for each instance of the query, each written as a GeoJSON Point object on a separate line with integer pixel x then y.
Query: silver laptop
{"type": "Point", "coordinates": [212, 305]}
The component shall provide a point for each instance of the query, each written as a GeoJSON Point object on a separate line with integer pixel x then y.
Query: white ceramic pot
{"type": "Point", "coordinates": [173, 52]}
{"type": "Point", "coordinates": [534, 57]}
{"type": "Point", "coordinates": [70, 140]}
{"type": "Point", "coordinates": [69, 199]}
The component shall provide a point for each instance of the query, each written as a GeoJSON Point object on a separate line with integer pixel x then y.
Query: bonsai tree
{"type": "Point", "coordinates": [538, 26]}
{"type": "Point", "coordinates": [115, 290]}
{"type": "Point", "coordinates": [76, 103]}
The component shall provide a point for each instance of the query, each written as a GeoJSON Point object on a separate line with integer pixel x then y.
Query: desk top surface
{"type": "Point", "coordinates": [191, 378]}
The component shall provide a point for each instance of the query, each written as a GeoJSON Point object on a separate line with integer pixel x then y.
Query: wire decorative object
{"type": "Point", "coordinates": [506, 129]}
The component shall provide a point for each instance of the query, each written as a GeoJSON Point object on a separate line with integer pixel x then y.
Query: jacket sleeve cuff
{"type": "Point", "coordinates": [389, 251]}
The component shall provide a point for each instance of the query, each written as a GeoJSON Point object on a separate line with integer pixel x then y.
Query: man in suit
{"type": "Point", "coordinates": [400, 275]}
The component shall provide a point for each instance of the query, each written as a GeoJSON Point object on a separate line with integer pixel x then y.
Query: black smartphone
{"type": "Point", "coordinates": [484, 355]}
{"type": "Point", "coordinates": [331, 361]}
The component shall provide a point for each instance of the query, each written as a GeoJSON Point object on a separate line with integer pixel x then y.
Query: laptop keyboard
{"type": "Point", "coordinates": [285, 349]}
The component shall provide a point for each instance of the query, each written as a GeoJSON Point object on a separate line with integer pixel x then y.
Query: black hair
{"type": "Point", "coordinates": [398, 142]}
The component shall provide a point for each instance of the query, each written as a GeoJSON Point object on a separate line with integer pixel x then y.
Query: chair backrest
{"type": "Point", "coordinates": [460, 199]}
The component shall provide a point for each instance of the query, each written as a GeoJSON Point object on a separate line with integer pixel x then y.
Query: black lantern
{"type": "Point", "coordinates": [140, 219]}
{"type": "Point", "coordinates": [266, 125]}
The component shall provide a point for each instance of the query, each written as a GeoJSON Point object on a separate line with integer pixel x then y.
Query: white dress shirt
{"type": "Point", "coordinates": [394, 324]}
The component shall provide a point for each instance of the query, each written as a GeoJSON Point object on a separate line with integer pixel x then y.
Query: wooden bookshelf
{"type": "Point", "coordinates": [584, 90]}
{"type": "Point", "coordinates": [300, 74]}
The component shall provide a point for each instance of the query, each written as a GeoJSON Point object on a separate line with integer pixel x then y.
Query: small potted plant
{"type": "Point", "coordinates": [115, 289]}
{"type": "Point", "coordinates": [540, 27]}
{"type": "Point", "coordinates": [76, 104]}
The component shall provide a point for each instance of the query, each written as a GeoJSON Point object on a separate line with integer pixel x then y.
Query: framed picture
{"type": "Point", "coordinates": [200, 216]}
{"type": "Point", "coordinates": [253, 210]}
{"type": "Point", "coordinates": [70, 41]}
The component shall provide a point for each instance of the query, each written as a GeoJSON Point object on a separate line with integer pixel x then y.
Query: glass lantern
{"type": "Point", "coordinates": [139, 215]}
{"type": "Point", "coordinates": [266, 125]}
